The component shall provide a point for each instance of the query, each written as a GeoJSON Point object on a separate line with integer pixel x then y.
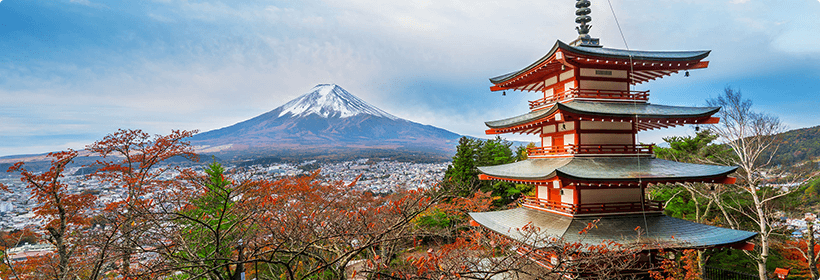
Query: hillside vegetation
{"type": "Point", "coordinates": [798, 145]}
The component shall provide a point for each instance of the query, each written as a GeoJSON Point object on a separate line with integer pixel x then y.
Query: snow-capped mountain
{"type": "Point", "coordinates": [330, 100]}
{"type": "Point", "coordinates": [328, 117]}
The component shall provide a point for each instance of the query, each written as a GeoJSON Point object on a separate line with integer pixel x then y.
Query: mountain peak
{"type": "Point", "coordinates": [331, 101]}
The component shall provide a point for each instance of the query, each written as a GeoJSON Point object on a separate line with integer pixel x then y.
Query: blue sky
{"type": "Point", "coordinates": [73, 71]}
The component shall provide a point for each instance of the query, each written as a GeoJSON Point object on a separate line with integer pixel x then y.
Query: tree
{"type": "Point", "coordinates": [807, 249]}
{"type": "Point", "coordinates": [698, 149]}
{"type": "Point", "coordinates": [480, 254]}
{"type": "Point", "coordinates": [751, 135]}
{"type": "Point", "coordinates": [65, 212]}
{"type": "Point", "coordinates": [8, 267]}
{"type": "Point", "coordinates": [521, 152]}
{"type": "Point", "coordinates": [315, 229]}
{"type": "Point", "coordinates": [463, 171]}
{"type": "Point", "coordinates": [697, 206]}
{"type": "Point", "coordinates": [684, 267]}
{"type": "Point", "coordinates": [199, 225]}
{"type": "Point", "coordinates": [131, 162]}
{"type": "Point", "coordinates": [471, 153]}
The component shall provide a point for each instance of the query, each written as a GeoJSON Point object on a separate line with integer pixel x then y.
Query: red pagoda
{"type": "Point", "coordinates": [589, 165]}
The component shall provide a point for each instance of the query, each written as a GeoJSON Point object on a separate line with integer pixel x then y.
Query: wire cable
{"type": "Point", "coordinates": [635, 122]}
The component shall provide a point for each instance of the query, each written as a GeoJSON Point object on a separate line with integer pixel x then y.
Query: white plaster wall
{"type": "Point", "coordinates": [551, 81]}
{"type": "Point", "coordinates": [606, 125]}
{"type": "Point", "coordinates": [604, 85]}
{"type": "Point", "coordinates": [543, 192]}
{"type": "Point", "coordinates": [569, 139]}
{"type": "Point", "coordinates": [546, 141]}
{"type": "Point", "coordinates": [591, 72]}
{"type": "Point", "coordinates": [548, 93]}
{"type": "Point", "coordinates": [548, 129]}
{"type": "Point", "coordinates": [567, 74]}
{"type": "Point", "coordinates": [566, 126]}
{"type": "Point", "coordinates": [567, 197]}
{"type": "Point", "coordinates": [569, 85]}
{"type": "Point", "coordinates": [610, 195]}
{"type": "Point", "coordinates": [605, 139]}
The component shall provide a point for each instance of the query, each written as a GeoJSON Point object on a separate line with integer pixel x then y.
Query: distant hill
{"type": "Point", "coordinates": [327, 122]}
{"type": "Point", "coordinates": [798, 145]}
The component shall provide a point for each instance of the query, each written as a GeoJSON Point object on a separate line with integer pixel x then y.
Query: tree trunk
{"type": "Point", "coordinates": [764, 240]}
{"type": "Point", "coordinates": [812, 259]}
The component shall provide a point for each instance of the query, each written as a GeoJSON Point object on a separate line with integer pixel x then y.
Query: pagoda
{"type": "Point", "coordinates": [589, 166]}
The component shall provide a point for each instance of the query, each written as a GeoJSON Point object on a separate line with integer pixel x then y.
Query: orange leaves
{"type": "Point", "coordinates": [684, 268]}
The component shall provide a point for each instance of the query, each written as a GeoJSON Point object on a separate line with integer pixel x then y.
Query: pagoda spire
{"type": "Point", "coordinates": [583, 18]}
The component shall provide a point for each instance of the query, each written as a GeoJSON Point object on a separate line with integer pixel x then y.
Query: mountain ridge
{"type": "Point", "coordinates": [328, 117]}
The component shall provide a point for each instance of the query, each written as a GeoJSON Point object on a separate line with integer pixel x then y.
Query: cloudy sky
{"type": "Point", "coordinates": [74, 71]}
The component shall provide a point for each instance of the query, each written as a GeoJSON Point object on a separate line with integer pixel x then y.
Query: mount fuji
{"type": "Point", "coordinates": [328, 119]}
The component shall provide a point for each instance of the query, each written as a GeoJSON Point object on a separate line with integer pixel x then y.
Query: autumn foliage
{"type": "Point", "coordinates": [178, 223]}
{"type": "Point", "coordinates": [683, 267]}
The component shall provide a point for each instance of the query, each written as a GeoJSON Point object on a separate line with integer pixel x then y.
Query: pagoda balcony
{"type": "Point", "coordinates": [593, 208]}
{"type": "Point", "coordinates": [591, 150]}
{"type": "Point", "coordinates": [574, 93]}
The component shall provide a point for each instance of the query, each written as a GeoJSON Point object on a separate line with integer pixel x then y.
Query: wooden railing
{"type": "Point", "coordinates": [592, 94]}
{"type": "Point", "coordinates": [591, 150]}
{"type": "Point", "coordinates": [594, 208]}
{"type": "Point", "coordinates": [552, 205]}
{"type": "Point", "coordinates": [617, 207]}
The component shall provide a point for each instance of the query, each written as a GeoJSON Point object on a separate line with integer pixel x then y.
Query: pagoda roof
{"type": "Point", "coordinates": [606, 169]}
{"type": "Point", "coordinates": [608, 109]}
{"type": "Point", "coordinates": [657, 230]}
{"type": "Point", "coordinates": [648, 65]}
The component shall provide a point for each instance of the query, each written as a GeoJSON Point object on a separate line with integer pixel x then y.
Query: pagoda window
{"type": "Point", "coordinates": [604, 85]}
{"type": "Point", "coordinates": [603, 73]}
{"type": "Point", "coordinates": [590, 196]}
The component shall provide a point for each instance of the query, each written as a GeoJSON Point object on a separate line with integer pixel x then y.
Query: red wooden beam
{"type": "Point", "coordinates": [701, 65]}
{"type": "Point", "coordinates": [729, 180]}
{"type": "Point", "coordinates": [745, 246]}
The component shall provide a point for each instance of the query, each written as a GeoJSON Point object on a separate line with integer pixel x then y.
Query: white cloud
{"type": "Point", "coordinates": [218, 63]}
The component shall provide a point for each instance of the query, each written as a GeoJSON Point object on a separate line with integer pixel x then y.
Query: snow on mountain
{"type": "Point", "coordinates": [330, 100]}
{"type": "Point", "coordinates": [328, 117]}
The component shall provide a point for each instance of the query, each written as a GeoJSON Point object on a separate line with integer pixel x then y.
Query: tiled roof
{"type": "Point", "coordinates": [640, 55]}
{"type": "Point", "coordinates": [609, 53]}
{"type": "Point", "coordinates": [657, 230]}
{"type": "Point", "coordinates": [605, 169]}
{"type": "Point", "coordinates": [609, 109]}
